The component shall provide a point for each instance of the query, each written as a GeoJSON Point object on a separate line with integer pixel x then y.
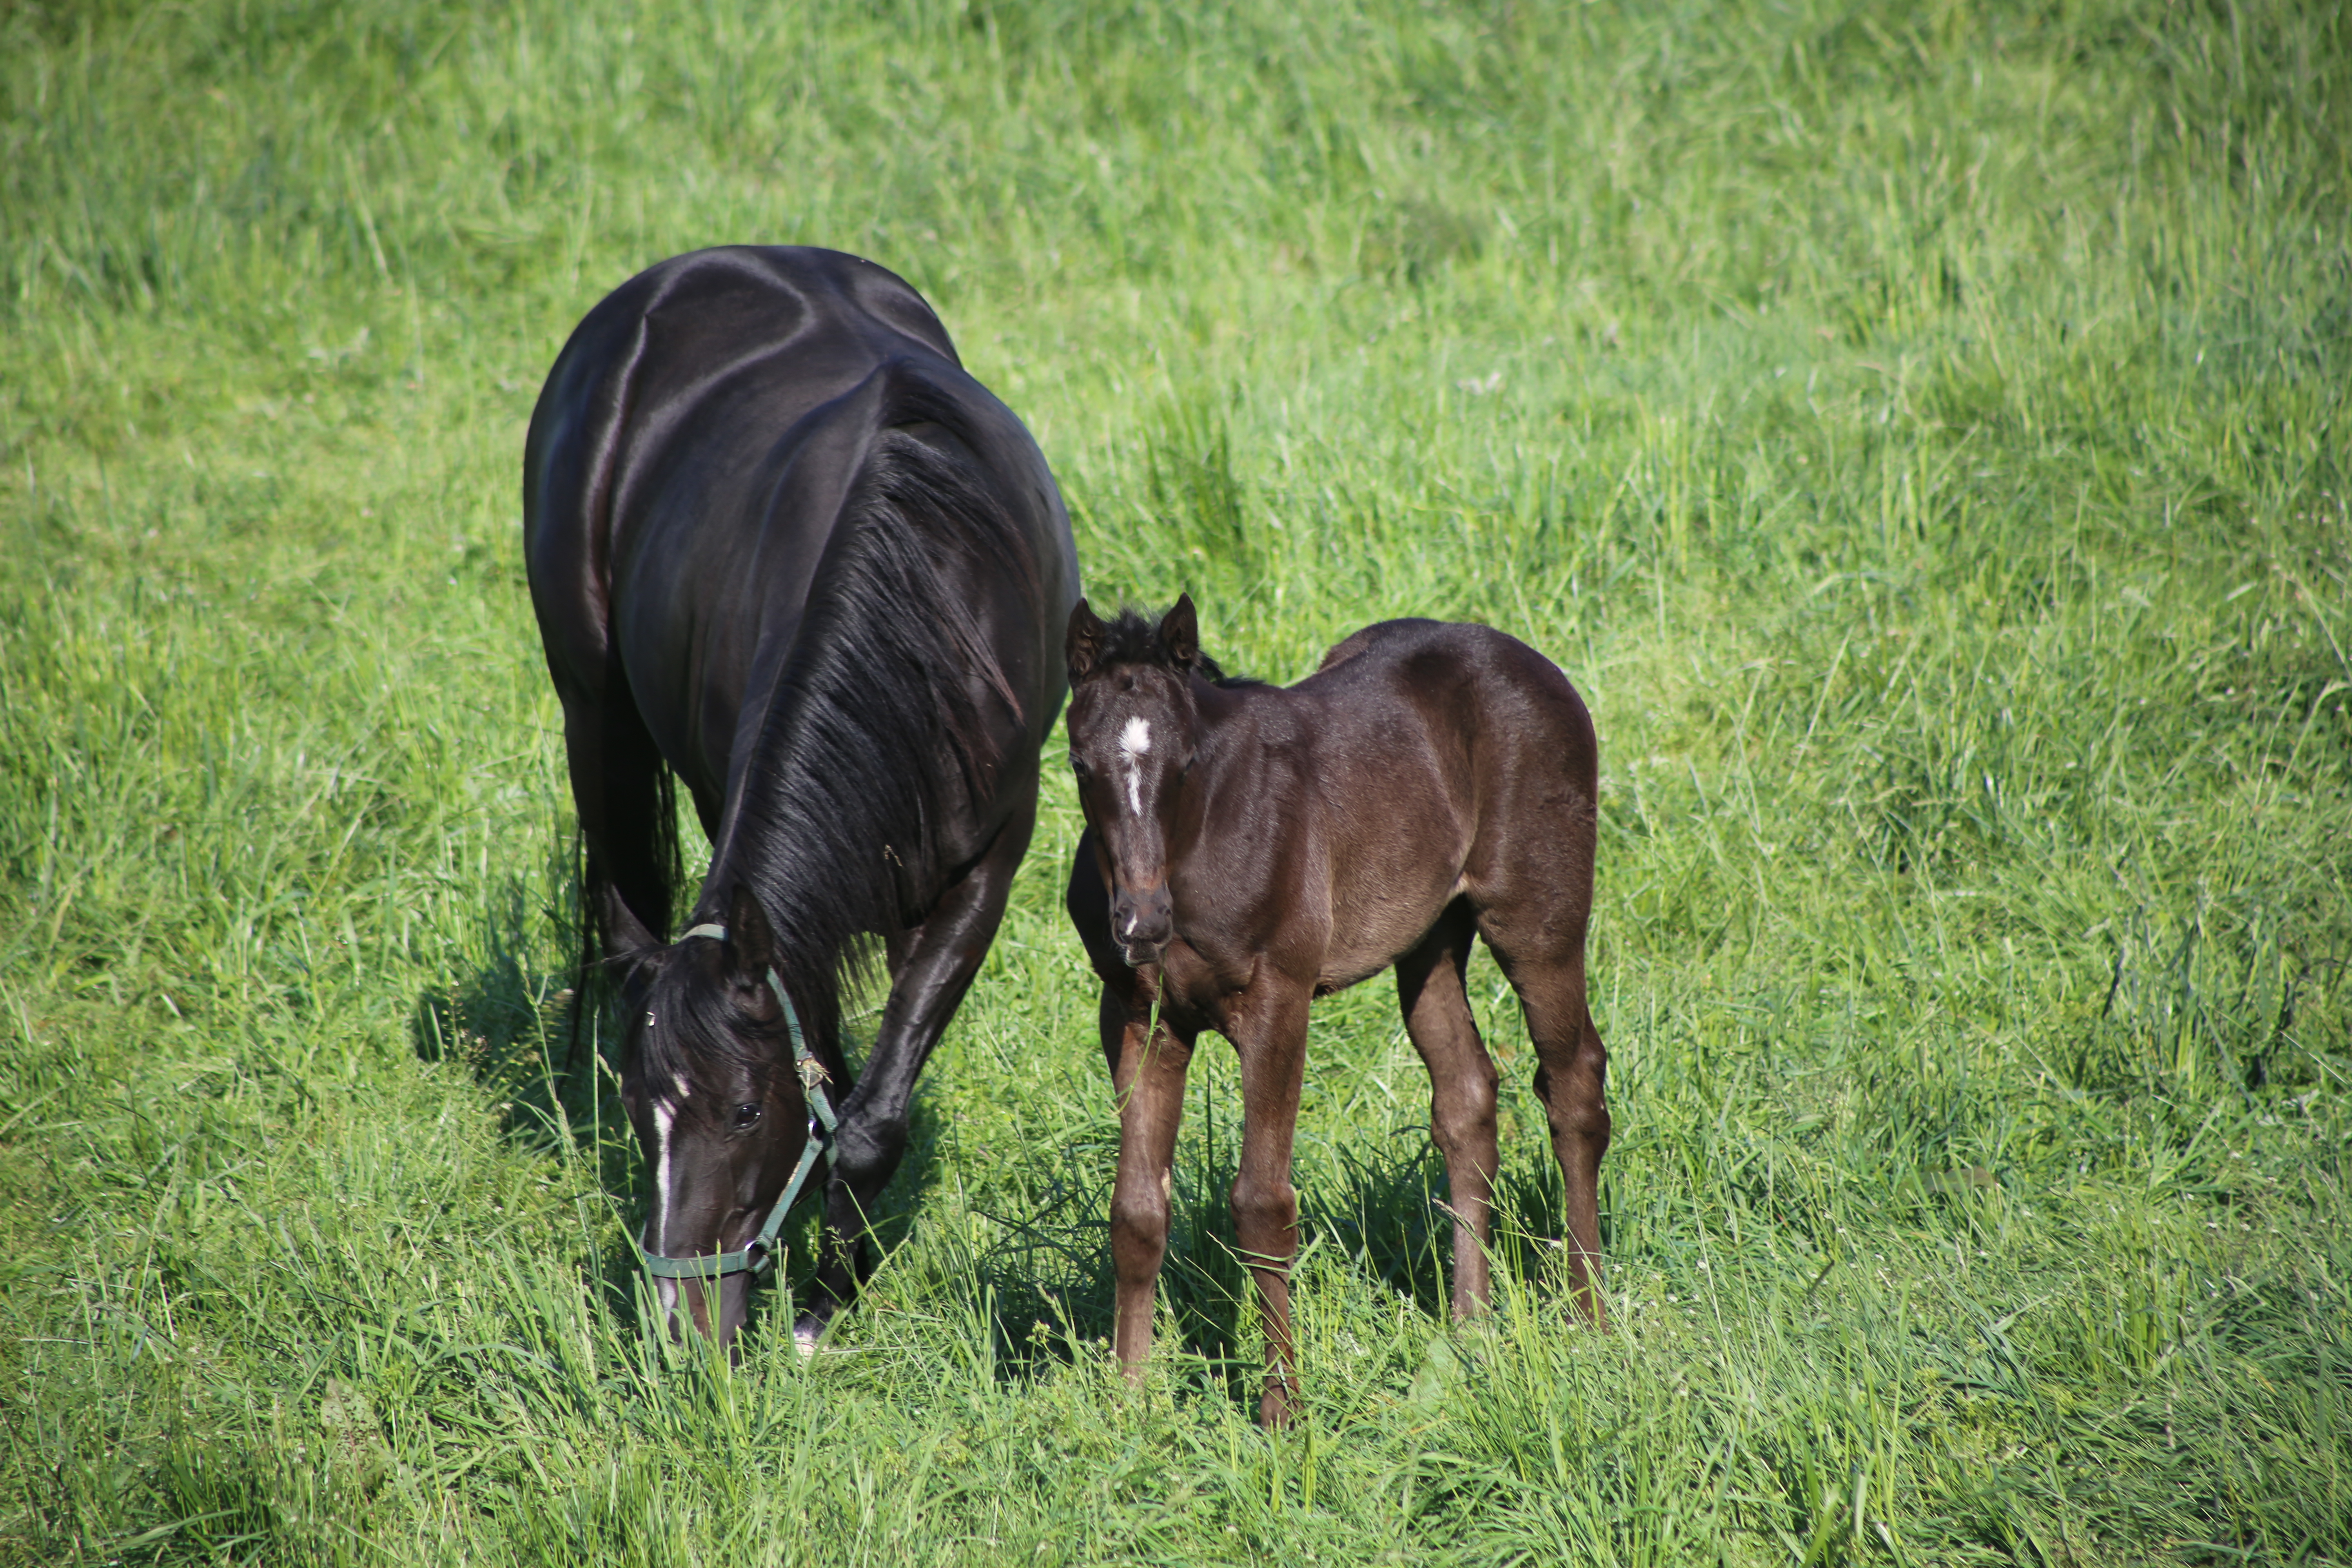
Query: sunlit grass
{"type": "Point", "coordinates": [1917, 432]}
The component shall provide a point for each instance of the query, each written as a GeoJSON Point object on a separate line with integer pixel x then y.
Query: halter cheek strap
{"type": "Point", "coordinates": [758, 1253]}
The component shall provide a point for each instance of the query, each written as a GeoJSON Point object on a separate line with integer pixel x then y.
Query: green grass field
{"type": "Point", "coordinates": [1920, 432]}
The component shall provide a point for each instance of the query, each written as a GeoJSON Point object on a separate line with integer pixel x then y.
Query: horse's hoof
{"type": "Point", "coordinates": [804, 1338]}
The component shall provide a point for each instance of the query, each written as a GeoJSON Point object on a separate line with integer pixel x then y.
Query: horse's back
{"type": "Point", "coordinates": [696, 319]}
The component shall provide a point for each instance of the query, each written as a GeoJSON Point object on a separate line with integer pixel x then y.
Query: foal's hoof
{"type": "Point", "coordinates": [1277, 1406]}
{"type": "Point", "coordinates": [805, 1335]}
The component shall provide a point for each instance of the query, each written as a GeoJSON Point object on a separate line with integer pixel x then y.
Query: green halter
{"type": "Point", "coordinates": [758, 1253]}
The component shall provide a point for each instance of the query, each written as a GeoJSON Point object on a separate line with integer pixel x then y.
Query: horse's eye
{"type": "Point", "coordinates": [1079, 768]}
{"type": "Point", "coordinates": [745, 1116]}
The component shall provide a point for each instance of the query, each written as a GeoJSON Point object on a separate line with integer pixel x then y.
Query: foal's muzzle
{"type": "Point", "coordinates": [1141, 924]}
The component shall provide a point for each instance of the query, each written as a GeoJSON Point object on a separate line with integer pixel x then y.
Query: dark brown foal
{"type": "Point", "coordinates": [1250, 848]}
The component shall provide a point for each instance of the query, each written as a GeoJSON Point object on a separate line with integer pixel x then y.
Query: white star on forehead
{"type": "Point", "coordinates": [1133, 742]}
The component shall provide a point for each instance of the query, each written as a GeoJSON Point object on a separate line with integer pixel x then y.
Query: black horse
{"type": "Point", "coordinates": [783, 548]}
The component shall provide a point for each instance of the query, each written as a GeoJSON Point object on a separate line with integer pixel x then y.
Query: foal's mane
{"type": "Point", "coordinates": [1131, 637]}
{"type": "Point", "coordinates": [885, 720]}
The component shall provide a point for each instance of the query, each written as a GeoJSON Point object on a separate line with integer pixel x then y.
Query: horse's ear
{"type": "Point", "coordinates": [1082, 644]}
{"type": "Point", "coordinates": [1180, 634]}
{"type": "Point", "coordinates": [626, 936]}
{"type": "Point", "coordinates": [748, 931]}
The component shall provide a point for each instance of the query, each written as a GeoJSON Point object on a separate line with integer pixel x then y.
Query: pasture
{"type": "Point", "coordinates": [1919, 432]}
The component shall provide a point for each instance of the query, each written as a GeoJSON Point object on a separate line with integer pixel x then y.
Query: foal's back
{"type": "Point", "coordinates": [1452, 760]}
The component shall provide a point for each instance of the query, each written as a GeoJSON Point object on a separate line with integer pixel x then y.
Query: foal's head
{"type": "Point", "coordinates": [1133, 723]}
{"type": "Point", "coordinates": [711, 1086]}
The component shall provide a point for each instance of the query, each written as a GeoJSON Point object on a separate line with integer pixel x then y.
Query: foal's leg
{"type": "Point", "coordinates": [1269, 1033]}
{"type": "Point", "coordinates": [1462, 1083]}
{"type": "Point", "coordinates": [1572, 1071]}
{"type": "Point", "coordinates": [1148, 1068]}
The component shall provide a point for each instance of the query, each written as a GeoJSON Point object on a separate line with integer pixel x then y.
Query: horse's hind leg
{"type": "Point", "coordinates": [624, 812]}
{"type": "Point", "coordinates": [625, 818]}
{"type": "Point", "coordinates": [1462, 1083]}
{"type": "Point", "coordinates": [1571, 1070]}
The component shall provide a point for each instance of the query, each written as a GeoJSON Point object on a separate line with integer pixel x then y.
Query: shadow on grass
{"type": "Point", "coordinates": [512, 1022]}
{"type": "Point", "coordinates": [1051, 1287]}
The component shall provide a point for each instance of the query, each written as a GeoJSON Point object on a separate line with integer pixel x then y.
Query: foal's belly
{"type": "Point", "coordinates": [1374, 925]}
{"type": "Point", "coordinates": [1391, 873]}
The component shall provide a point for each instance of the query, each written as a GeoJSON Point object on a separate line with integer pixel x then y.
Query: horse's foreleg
{"type": "Point", "coordinates": [1269, 1032]}
{"type": "Point", "coordinates": [1462, 1084]}
{"type": "Point", "coordinates": [1147, 1073]}
{"type": "Point", "coordinates": [1146, 1070]}
{"type": "Point", "coordinates": [934, 967]}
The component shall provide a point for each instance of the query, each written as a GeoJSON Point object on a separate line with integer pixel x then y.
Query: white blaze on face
{"type": "Point", "coordinates": [1134, 742]}
{"type": "Point", "coordinates": [665, 1113]}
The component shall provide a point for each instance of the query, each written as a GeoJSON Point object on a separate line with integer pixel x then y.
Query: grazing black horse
{"type": "Point", "coordinates": [783, 548]}
{"type": "Point", "coordinates": [1249, 849]}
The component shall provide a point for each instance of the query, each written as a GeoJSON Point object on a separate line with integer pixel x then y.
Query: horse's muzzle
{"type": "Point", "coordinates": [716, 1310]}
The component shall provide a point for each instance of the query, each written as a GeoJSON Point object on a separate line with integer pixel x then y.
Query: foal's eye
{"type": "Point", "coordinates": [1079, 768]}
{"type": "Point", "coordinates": [745, 1116]}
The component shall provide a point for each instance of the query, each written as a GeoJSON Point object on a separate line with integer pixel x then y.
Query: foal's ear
{"type": "Point", "coordinates": [749, 933]}
{"type": "Point", "coordinates": [1180, 634]}
{"type": "Point", "coordinates": [626, 936]}
{"type": "Point", "coordinates": [1082, 644]}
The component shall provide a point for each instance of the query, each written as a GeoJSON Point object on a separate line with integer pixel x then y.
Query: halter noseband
{"type": "Point", "coordinates": [757, 1254]}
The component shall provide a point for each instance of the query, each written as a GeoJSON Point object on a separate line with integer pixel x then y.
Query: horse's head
{"type": "Point", "coordinates": [712, 1089]}
{"type": "Point", "coordinates": [1133, 723]}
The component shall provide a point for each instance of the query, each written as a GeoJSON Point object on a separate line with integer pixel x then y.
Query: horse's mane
{"type": "Point", "coordinates": [1131, 637]}
{"type": "Point", "coordinates": [886, 718]}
